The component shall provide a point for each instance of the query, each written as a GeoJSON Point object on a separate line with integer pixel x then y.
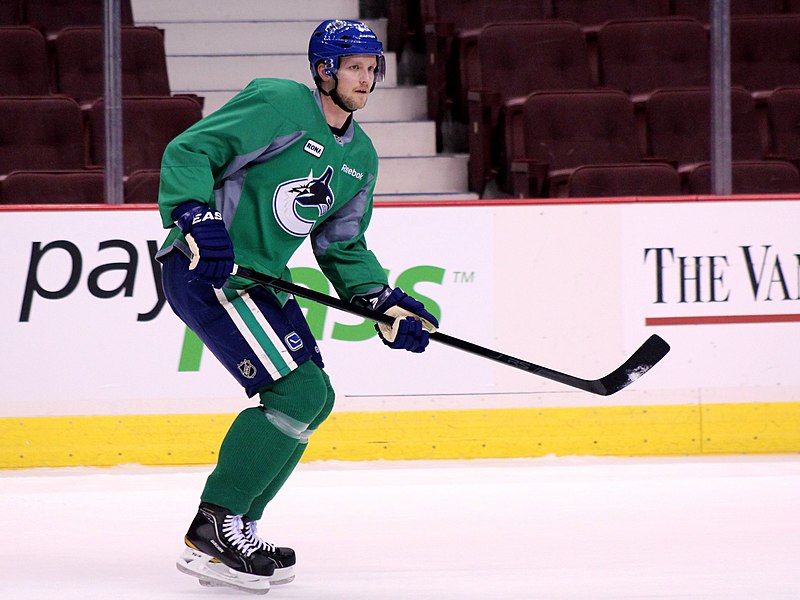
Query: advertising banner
{"type": "Point", "coordinates": [576, 287]}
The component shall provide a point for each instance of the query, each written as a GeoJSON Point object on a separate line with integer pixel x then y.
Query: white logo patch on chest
{"type": "Point", "coordinates": [314, 148]}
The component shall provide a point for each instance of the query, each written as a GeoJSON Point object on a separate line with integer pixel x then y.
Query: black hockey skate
{"type": "Point", "coordinates": [218, 551]}
{"type": "Point", "coordinates": [284, 558]}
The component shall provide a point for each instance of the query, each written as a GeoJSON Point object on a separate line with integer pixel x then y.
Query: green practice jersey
{"type": "Point", "coordinates": [269, 162]}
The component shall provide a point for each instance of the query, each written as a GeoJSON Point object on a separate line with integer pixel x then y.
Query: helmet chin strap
{"type": "Point", "coordinates": [334, 95]}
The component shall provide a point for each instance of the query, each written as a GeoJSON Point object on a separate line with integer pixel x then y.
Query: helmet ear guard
{"type": "Point", "coordinates": [328, 69]}
{"type": "Point", "coordinates": [380, 69]}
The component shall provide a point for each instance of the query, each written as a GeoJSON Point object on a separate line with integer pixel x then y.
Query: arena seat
{"type": "Point", "coordinates": [10, 12]}
{"type": "Point", "coordinates": [783, 117]}
{"type": "Point", "coordinates": [50, 16]}
{"type": "Point", "coordinates": [148, 125]}
{"type": "Point", "coordinates": [446, 21]}
{"type": "Point", "coordinates": [765, 52]}
{"type": "Point", "coordinates": [749, 177]}
{"type": "Point", "coordinates": [701, 9]}
{"type": "Point", "coordinates": [24, 66]}
{"type": "Point", "coordinates": [678, 126]}
{"type": "Point", "coordinates": [627, 179]}
{"type": "Point", "coordinates": [641, 55]}
{"type": "Point", "coordinates": [590, 14]}
{"type": "Point", "coordinates": [564, 130]}
{"type": "Point", "coordinates": [53, 187]}
{"type": "Point", "coordinates": [78, 55]}
{"type": "Point", "coordinates": [516, 59]}
{"type": "Point", "coordinates": [141, 187]}
{"type": "Point", "coordinates": [40, 133]}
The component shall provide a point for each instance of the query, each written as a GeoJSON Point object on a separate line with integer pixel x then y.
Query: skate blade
{"type": "Point", "coordinates": [280, 577]}
{"type": "Point", "coordinates": [198, 564]}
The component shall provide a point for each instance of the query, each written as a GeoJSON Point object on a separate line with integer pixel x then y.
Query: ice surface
{"type": "Point", "coordinates": [552, 528]}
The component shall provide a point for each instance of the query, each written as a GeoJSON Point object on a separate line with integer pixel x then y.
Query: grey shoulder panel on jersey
{"type": "Point", "coordinates": [228, 190]}
{"type": "Point", "coordinates": [343, 225]}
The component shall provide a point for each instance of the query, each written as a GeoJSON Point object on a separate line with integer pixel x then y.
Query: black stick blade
{"type": "Point", "coordinates": [640, 362]}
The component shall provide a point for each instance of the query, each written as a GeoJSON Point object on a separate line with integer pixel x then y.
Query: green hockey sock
{"type": "Point", "coordinates": [252, 454]}
{"type": "Point", "coordinates": [258, 505]}
{"type": "Point", "coordinates": [260, 446]}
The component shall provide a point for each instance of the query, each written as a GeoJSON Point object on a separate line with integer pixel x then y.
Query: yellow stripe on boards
{"type": "Point", "coordinates": [106, 441]}
{"type": "Point", "coordinates": [500, 433]}
{"type": "Point", "coordinates": [751, 428]}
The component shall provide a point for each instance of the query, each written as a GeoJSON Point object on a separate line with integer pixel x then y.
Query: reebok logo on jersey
{"type": "Point", "coordinates": [314, 148]}
{"type": "Point", "coordinates": [352, 172]}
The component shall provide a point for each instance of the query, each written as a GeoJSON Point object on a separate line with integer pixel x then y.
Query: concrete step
{"type": "Point", "coordinates": [402, 138]}
{"type": "Point", "coordinates": [406, 103]}
{"type": "Point", "coordinates": [216, 49]}
{"type": "Point", "coordinates": [439, 174]}
{"type": "Point", "coordinates": [182, 11]}
{"type": "Point", "coordinates": [209, 72]}
{"type": "Point", "coordinates": [232, 38]}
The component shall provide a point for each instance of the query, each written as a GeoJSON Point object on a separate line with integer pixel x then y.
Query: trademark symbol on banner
{"type": "Point", "coordinates": [463, 276]}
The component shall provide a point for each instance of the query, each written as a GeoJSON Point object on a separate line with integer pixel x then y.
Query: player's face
{"type": "Point", "coordinates": [356, 75]}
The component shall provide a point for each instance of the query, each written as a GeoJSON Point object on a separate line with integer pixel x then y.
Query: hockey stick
{"type": "Point", "coordinates": [641, 361]}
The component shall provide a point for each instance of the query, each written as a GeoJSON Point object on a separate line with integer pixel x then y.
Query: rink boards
{"type": "Point", "coordinates": [98, 371]}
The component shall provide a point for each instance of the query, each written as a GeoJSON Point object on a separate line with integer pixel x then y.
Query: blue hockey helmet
{"type": "Point", "coordinates": [335, 38]}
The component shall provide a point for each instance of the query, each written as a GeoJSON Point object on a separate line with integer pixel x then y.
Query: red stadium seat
{"type": "Point", "coordinates": [629, 179]}
{"type": "Point", "coordinates": [148, 125]}
{"type": "Point", "coordinates": [678, 124]}
{"type": "Point", "coordinates": [50, 16]}
{"type": "Point", "coordinates": [592, 13]}
{"type": "Point", "coordinates": [516, 59]}
{"type": "Point", "coordinates": [78, 53]}
{"type": "Point", "coordinates": [53, 187]}
{"type": "Point", "coordinates": [141, 187]}
{"type": "Point", "coordinates": [24, 67]}
{"type": "Point", "coordinates": [40, 133]}
{"type": "Point", "coordinates": [783, 112]}
{"type": "Point", "coordinates": [765, 52]}
{"type": "Point", "coordinates": [445, 22]}
{"type": "Point", "coordinates": [564, 130]}
{"type": "Point", "coordinates": [749, 177]}
{"type": "Point", "coordinates": [10, 12]}
{"type": "Point", "coordinates": [701, 9]}
{"type": "Point", "coordinates": [641, 55]}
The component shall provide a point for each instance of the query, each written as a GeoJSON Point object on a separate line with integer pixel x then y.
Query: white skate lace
{"type": "Point", "coordinates": [233, 530]}
{"type": "Point", "coordinates": [251, 532]}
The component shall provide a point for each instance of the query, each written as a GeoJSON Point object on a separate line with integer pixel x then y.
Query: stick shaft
{"type": "Point", "coordinates": [642, 360]}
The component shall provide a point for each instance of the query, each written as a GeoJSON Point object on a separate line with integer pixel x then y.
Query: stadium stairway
{"type": "Point", "coordinates": [215, 49]}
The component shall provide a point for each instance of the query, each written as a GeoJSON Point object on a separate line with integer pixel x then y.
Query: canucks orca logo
{"type": "Point", "coordinates": [298, 203]}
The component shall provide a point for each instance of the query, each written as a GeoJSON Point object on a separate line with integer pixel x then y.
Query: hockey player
{"type": "Point", "coordinates": [276, 164]}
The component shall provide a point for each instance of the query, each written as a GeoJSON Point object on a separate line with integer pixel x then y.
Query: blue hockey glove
{"type": "Point", "coordinates": [212, 250]}
{"type": "Point", "coordinates": [412, 323]}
